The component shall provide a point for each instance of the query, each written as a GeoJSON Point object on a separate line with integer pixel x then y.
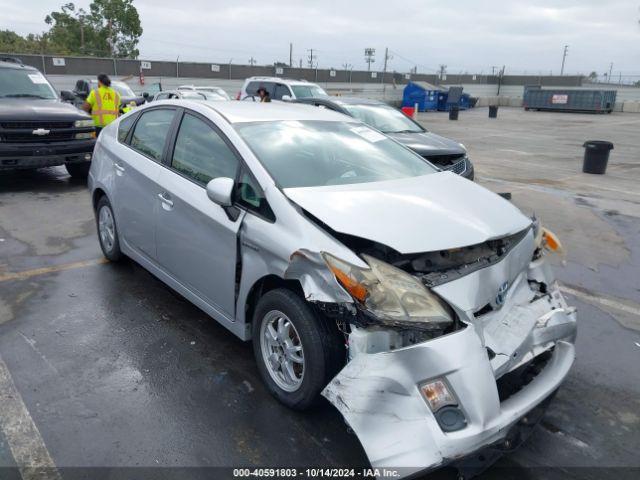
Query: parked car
{"type": "Point", "coordinates": [280, 88]}
{"type": "Point", "coordinates": [444, 153]}
{"type": "Point", "coordinates": [420, 304]}
{"type": "Point", "coordinates": [84, 86]}
{"type": "Point", "coordinates": [189, 94]}
{"type": "Point", "coordinates": [212, 89]}
{"type": "Point", "coordinates": [37, 129]}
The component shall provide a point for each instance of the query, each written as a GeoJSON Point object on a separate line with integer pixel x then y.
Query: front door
{"type": "Point", "coordinates": [196, 241]}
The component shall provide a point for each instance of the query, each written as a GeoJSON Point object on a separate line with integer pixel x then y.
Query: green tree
{"type": "Point", "coordinates": [110, 28]}
{"type": "Point", "coordinates": [117, 23]}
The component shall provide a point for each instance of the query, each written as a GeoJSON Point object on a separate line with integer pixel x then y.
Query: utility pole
{"type": "Point", "coordinates": [443, 72]}
{"type": "Point", "coordinates": [290, 55]}
{"type": "Point", "coordinates": [348, 68]}
{"type": "Point", "coordinates": [387, 57]}
{"type": "Point", "coordinates": [252, 61]}
{"type": "Point", "coordinates": [610, 69]}
{"type": "Point", "coordinates": [564, 56]}
{"type": "Point", "coordinates": [500, 76]}
{"type": "Point", "coordinates": [311, 57]}
{"type": "Point", "coordinates": [369, 57]}
{"type": "Point", "coordinates": [493, 69]}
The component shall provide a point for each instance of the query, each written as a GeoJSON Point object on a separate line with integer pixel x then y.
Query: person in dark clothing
{"type": "Point", "coordinates": [263, 94]}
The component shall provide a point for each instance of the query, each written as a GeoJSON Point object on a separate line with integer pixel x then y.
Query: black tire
{"type": "Point", "coordinates": [78, 170]}
{"type": "Point", "coordinates": [322, 344]}
{"type": "Point", "coordinates": [110, 250]}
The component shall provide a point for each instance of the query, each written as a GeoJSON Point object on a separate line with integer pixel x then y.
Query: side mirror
{"type": "Point", "coordinates": [286, 98]}
{"type": "Point", "coordinates": [145, 95]}
{"type": "Point", "coordinates": [67, 96]}
{"type": "Point", "coordinates": [219, 191]}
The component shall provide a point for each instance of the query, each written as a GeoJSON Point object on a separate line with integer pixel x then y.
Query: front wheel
{"type": "Point", "coordinates": [297, 352]}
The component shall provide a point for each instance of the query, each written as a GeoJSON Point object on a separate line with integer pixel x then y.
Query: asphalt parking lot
{"type": "Point", "coordinates": [106, 367]}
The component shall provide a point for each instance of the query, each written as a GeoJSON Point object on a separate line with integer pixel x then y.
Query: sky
{"type": "Point", "coordinates": [466, 36]}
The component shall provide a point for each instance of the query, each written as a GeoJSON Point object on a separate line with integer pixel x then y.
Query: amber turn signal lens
{"type": "Point", "coordinates": [354, 288]}
{"type": "Point", "coordinates": [551, 241]}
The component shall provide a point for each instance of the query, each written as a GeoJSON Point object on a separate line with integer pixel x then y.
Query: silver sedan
{"type": "Point", "coordinates": [420, 304]}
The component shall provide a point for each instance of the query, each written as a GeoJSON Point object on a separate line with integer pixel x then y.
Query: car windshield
{"type": "Point", "coordinates": [308, 91]}
{"type": "Point", "coordinates": [193, 94]}
{"type": "Point", "coordinates": [215, 90]}
{"type": "Point", "coordinates": [383, 118]}
{"type": "Point", "coordinates": [20, 83]}
{"type": "Point", "coordinates": [317, 153]}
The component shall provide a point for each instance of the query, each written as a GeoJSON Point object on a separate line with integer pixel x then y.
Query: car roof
{"type": "Point", "coordinates": [16, 66]}
{"type": "Point", "coordinates": [242, 112]}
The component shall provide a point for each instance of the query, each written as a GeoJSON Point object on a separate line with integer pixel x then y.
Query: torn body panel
{"type": "Point", "coordinates": [379, 393]}
{"type": "Point", "coordinates": [261, 256]}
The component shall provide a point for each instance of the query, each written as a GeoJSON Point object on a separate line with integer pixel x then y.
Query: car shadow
{"type": "Point", "coordinates": [49, 180]}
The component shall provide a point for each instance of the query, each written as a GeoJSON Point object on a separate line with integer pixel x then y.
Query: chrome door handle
{"type": "Point", "coordinates": [164, 197]}
{"type": "Point", "coordinates": [118, 167]}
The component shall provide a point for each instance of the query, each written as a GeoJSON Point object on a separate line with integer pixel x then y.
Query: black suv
{"type": "Point", "coordinates": [37, 129]}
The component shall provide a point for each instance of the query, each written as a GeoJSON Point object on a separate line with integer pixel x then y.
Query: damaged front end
{"type": "Point", "coordinates": [448, 351]}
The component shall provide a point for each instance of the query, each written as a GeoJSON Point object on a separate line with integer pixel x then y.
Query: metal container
{"type": "Point", "coordinates": [564, 100]}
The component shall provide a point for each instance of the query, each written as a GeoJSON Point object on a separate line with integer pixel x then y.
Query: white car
{"type": "Point", "coordinates": [280, 88]}
{"type": "Point", "coordinates": [210, 88]}
{"type": "Point", "coordinates": [205, 96]}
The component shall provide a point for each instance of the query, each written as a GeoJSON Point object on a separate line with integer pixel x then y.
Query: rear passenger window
{"type": "Point", "coordinates": [151, 131]}
{"type": "Point", "coordinates": [201, 154]}
{"type": "Point", "coordinates": [124, 126]}
{"type": "Point", "coordinates": [252, 88]}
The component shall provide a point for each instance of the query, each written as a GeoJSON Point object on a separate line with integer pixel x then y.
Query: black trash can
{"type": "Point", "coordinates": [493, 111]}
{"type": "Point", "coordinates": [596, 156]}
{"type": "Point", "coordinates": [453, 112]}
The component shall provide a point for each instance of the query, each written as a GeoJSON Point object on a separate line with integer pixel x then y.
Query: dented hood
{"type": "Point", "coordinates": [421, 214]}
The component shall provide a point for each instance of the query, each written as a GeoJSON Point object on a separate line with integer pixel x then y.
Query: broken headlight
{"type": "Point", "coordinates": [545, 239]}
{"type": "Point", "coordinates": [391, 295]}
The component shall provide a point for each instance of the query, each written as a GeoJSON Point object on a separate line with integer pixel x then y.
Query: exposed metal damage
{"type": "Point", "coordinates": [420, 394]}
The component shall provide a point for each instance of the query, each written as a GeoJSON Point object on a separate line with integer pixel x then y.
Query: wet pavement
{"type": "Point", "coordinates": [115, 370]}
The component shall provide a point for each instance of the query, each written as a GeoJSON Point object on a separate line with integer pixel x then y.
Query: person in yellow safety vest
{"type": "Point", "coordinates": [103, 103]}
{"type": "Point", "coordinates": [130, 106]}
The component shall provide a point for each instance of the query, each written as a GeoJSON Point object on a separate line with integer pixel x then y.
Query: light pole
{"type": "Point", "coordinates": [564, 56]}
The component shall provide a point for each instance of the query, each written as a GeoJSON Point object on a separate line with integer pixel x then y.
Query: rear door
{"type": "Point", "coordinates": [136, 177]}
{"type": "Point", "coordinates": [196, 240]}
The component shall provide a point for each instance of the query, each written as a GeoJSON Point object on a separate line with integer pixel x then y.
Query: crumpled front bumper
{"type": "Point", "coordinates": [379, 398]}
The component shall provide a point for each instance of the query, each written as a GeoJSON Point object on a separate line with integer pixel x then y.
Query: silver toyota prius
{"type": "Point", "coordinates": [420, 304]}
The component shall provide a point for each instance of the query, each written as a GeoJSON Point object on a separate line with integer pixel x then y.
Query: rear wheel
{"type": "Point", "coordinates": [107, 230]}
{"type": "Point", "coordinates": [297, 351]}
{"type": "Point", "coordinates": [78, 170]}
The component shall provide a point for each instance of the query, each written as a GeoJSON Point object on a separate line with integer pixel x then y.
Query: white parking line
{"type": "Point", "coordinates": [26, 444]}
{"type": "Point", "coordinates": [605, 302]}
